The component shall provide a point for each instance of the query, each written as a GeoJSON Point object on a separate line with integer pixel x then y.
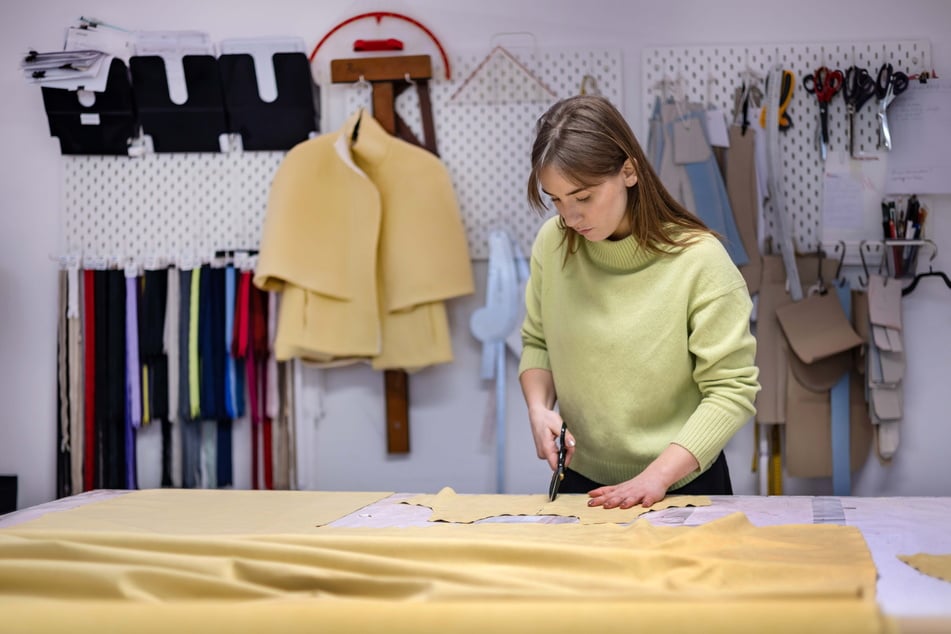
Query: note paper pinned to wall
{"type": "Point", "coordinates": [920, 124]}
{"type": "Point", "coordinates": [851, 194]}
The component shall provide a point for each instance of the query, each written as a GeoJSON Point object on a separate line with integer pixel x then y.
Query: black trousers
{"type": "Point", "coordinates": [713, 481]}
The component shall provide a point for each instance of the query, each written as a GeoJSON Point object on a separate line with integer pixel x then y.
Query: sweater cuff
{"type": "Point", "coordinates": [707, 432]}
{"type": "Point", "coordinates": [533, 358]}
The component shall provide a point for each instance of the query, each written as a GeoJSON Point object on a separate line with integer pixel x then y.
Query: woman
{"type": "Point", "coordinates": [637, 321]}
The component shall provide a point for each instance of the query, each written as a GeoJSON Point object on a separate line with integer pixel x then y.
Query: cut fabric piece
{"type": "Point", "coordinates": [206, 512]}
{"type": "Point", "coordinates": [938, 566]}
{"type": "Point", "coordinates": [448, 506]}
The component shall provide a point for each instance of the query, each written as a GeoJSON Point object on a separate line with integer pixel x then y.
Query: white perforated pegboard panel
{"type": "Point", "coordinates": [174, 205]}
{"type": "Point", "coordinates": [485, 125]}
{"type": "Point", "coordinates": [713, 73]}
{"type": "Point", "coordinates": [166, 206]}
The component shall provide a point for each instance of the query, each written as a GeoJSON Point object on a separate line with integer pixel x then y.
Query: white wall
{"type": "Point", "coordinates": [449, 403]}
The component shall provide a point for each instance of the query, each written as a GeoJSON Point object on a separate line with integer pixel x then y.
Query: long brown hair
{"type": "Point", "coordinates": [587, 140]}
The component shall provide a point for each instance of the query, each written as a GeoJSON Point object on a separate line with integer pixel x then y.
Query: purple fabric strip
{"type": "Point", "coordinates": [133, 371]}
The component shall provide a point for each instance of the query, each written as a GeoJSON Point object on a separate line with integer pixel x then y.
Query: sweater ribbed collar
{"type": "Point", "coordinates": [617, 255]}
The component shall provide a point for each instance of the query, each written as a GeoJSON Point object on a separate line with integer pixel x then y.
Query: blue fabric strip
{"type": "Point", "coordinates": [841, 461]}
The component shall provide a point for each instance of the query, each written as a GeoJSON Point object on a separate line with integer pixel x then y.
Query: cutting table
{"type": "Point", "coordinates": [133, 547]}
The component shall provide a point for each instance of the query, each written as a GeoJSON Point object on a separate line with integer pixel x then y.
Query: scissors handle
{"type": "Point", "coordinates": [858, 87]}
{"type": "Point", "coordinates": [824, 83]}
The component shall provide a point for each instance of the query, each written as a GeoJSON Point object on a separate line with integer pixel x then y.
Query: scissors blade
{"type": "Point", "coordinates": [559, 473]}
{"type": "Point", "coordinates": [556, 479]}
{"type": "Point", "coordinates": [886, 135]}
{"type": "Point", "coordinates": [851, 114]}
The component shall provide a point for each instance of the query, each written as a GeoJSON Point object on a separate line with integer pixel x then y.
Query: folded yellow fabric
{"type": "Point", "coordinates": [727, 558]}
{"type": "Point", "coordinates": [448, 506]}
{"type": "Point", "coordinates": [201, 511]}
{"type": "Point", "coordinates": [583, 613]}
{"type": "Point", "coordinates": [938, 566]}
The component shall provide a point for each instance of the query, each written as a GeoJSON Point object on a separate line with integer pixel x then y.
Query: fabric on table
{"type": "Point", "coordinates": [448, 506]}
{"type": "Point", "coordinates": [727, 559]}
{"type": "Point", "coordinates": [583, 614]}
{"type": "Point", "coordinates": [938, 566]}
{"type": "Point", "coordinates": [204, 512]}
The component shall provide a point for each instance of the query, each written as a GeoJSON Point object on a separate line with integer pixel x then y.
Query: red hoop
{"type": "Point", "coordinates": [379, 15]}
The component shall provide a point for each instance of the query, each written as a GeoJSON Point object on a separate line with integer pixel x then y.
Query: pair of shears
{"type": "Point", "coordinates": [559, 473]}
{"type": "Point", "coordinates": [888, 85]}
{"type": "Point", "coordinates": [824, 84]}
{"type": "Point", "coordinates": [857, 90]}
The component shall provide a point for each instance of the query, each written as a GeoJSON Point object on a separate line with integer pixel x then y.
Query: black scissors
{"type": "Point", "coordinates": [824, 84]}
{"type": "Point", "coordinates": [888, 85]}
{"type": "Point", "coordinates": [559, 473]}
{"type": "Point", "coordinates": [857, 90]}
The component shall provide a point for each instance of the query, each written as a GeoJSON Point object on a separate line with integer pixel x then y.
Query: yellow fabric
{"type": "Point", "coordinates": [938, 566]}
{"type": "Point", "coordinates": [194, 388]}
{"type": "Point", "coordinates": [254, 561]}
{"type": "Point", "coordinates": [582, 614]}
{"type": "Point", "coordinates": [207, 512]}
{"type": "Point", "coordinates": [306, 616]}
{"type": "Point", "coordinates": [448, 506]}
{"type": "Point", "coordinates": [727, 558]}
{"type": "Point", "coordinates": [146, 399]}
{"type": "Point", "coordinates": [365, 242]}
{"type": "Point", "coordinates": [447, 574]}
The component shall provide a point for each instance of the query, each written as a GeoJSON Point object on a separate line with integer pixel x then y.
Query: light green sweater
{"type": "Point", "coordinates": [645, 349]}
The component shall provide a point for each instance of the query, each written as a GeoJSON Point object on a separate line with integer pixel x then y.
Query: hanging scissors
{"type": "Point", "coordinates": [888, 85]}
{"type": "Point", "coordinates": [857, 89]}
{"type": "Point", "coordinates": [824, 84]}
{"type": "Point", "coordinates": [559, 473]}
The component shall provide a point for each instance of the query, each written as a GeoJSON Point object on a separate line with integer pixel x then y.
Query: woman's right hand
{"type": "Point", "coordinates": [546, 429]}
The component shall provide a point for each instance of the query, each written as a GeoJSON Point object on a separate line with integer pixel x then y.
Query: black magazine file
{"type": "Point", "coordinates": [193, 126]}
{"type": "Point", "coordinates": [105, 127]}
{"type": "Point", "coordinates": [277, 125]}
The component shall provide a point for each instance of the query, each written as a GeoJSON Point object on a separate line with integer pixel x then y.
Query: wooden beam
{"type": "Point", "coordinates": [375, 69]}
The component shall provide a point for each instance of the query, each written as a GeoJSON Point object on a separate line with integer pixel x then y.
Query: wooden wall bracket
{"type": "Point", "coordinates": [383, 73]}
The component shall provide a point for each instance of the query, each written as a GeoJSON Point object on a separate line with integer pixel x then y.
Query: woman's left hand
{"type": "Point", "coordinates": [642, 489]}
{"type": "Point", "coordinates": [649, 486]}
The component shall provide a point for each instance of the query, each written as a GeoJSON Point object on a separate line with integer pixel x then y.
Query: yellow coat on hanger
{"type": "Point", "coordinates": [364, 240]}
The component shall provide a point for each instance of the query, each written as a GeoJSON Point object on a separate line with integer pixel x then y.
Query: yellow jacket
{"type": "Point", "coordinates": [364, 241]}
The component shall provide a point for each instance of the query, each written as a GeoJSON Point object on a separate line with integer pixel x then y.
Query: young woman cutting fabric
{"type": "Point", "coordinates": [637, 321]}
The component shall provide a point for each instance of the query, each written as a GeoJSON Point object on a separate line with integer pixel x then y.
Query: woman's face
{"type": "Point", "coordinates": [598, 212]}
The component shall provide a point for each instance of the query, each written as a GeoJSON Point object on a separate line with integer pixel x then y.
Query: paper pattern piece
{"type": "Point", "coordinates": [938, 566]}
{"type": "Point", "coordinates": [448, 506]}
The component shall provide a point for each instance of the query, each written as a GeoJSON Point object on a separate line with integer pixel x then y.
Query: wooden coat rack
{"type": "Point", "coordinates": [384, 73]}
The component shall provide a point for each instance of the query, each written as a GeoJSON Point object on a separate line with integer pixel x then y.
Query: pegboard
{"type": "Point", "coordinates": [711, 74]}
{"type": "Point", "coordinates": [165, 206]}
{"type": "Point", "coordinates": [191, 204]}
{"type": "Point", "coordinates": [485, 124]}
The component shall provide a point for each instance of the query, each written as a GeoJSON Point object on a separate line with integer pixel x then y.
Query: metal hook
{"type": "Point", "coordinates": [838, 268]}
{"type": "Point", "coordinates": [863, 281]}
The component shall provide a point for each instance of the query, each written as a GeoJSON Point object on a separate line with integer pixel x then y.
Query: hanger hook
{"type": "Point", "coordinates": [863, 281]}
{"type": "Point", "coordinates": [838, 269]}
